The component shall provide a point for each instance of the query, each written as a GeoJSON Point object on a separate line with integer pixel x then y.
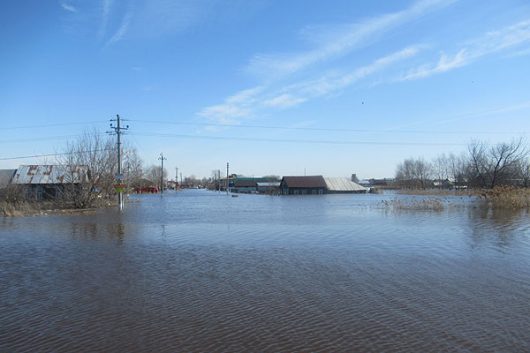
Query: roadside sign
{"type": "Point", "coordinates": [119, 187]}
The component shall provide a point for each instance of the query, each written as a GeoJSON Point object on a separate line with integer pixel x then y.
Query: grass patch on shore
{"type": "Point", "coordinates": [25, 208]}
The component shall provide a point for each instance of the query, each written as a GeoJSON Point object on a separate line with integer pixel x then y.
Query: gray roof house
{"type": "Point", "coordinates": [46, 181]}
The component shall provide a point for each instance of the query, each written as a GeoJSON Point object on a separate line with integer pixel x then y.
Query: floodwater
{"type": "Point", "coordinates": [198, 271]}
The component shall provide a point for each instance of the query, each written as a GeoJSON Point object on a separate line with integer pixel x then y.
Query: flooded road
{"type": "Point", "coordinates": [199, 271]}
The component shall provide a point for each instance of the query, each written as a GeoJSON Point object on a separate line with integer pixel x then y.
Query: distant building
{"type": "Point", "coordinates": [244, 185]}
{"type": "Point", "coordinates": [45, 182]}
{"type": "Point", "coordinates": [269, 187]}
{"type": "Point", "coordinates": [386, 183]}
{"type": "Point", "coordinates": [303, 185]}
{"type": "Point", "coordinates": [249, 185]}
{"type": "Point", "coordinates": [145, 186]}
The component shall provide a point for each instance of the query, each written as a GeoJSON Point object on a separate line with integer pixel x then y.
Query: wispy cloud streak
{"type": "Point", "coordinates": [122, 30]}
{"type": "Point", "coordinates": [339, 40]}
{"type": "Point", "coordinates": [492, 42]}
{"type": "Point", "coordinates": [239, 105]}
{"type": "Point", "coordinates": [247, 102]}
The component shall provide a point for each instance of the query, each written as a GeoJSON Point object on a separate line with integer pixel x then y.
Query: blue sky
{"type": "Point", "coordinates": [273, 87]}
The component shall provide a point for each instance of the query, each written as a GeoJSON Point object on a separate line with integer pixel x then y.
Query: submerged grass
{"type": "Point", "coordinates": [507, 198]}
{"type": "Point", "coordinates": [415, 205]}
{"type": "Point", "coordinates": [501, 197]}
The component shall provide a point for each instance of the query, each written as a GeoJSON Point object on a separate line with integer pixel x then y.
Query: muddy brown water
{"type": "Point", "coordinates": [198, 271]}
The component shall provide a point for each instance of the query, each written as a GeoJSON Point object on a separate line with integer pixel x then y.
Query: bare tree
{"type": "Point", "coordinates": [413, 173]}
{"type": "Point", "coordinates": [441, 167]}
{"type": "Point", "coordinates": [498, 165]}
{"type": "Point", "coordinates": [133, 167]}
{"type": "Point", "coordinates": [524, 171]}
{"type": "Point", "coordinates": [478, 163]}
{"type": "Point", "coordinates": [504, 160]}
{"type": "Point", "coordinates": [154, 174]}
{"type": "Point", "coordinates": [97, 156]}
{"type": "Point", "coordinates": [458, 168]}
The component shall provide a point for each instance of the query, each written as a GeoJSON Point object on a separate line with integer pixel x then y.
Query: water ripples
{"type": "Point", "coordinates": [272, 274]}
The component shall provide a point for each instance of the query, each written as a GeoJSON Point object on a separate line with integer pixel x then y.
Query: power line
{"type": "Point", "coordinates": [330, 142]}
{"type": "Point", "coordinates": [55, 154]}
{"type": "Point", "coordinates": [273, 127]}
{"type": "Point", "coordinates": [48, 125]}
{"type": "Point", "coordinates": [39, 139]}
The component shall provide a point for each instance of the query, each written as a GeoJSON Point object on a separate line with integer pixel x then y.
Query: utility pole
{"type": "Point", "coordinates": [119, 176]}
{"type": "Point", "coordinates": [227, 177]}
{"type": "Point", "coordinates": [219, 180]}
{"type": "Point", "coordinates": [162, 159]}
{"type": "Point", "coordinates": [177, 178]}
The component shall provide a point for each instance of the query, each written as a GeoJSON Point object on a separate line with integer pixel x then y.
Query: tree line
{"type": "Point", "coordinates": [480, 166]}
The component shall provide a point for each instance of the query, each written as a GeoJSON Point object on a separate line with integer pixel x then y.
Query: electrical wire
{"type": "Point", "coordinates": [272, 127]}
{"type": "Point", "coordinates": [331, 142]}
{"type": "Point", "coordinates": [55, 154]}
{"type": "Point", "coordinates": [50, 125]}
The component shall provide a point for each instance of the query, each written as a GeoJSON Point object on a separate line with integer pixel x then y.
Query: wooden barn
{"type": "Point", "coordinates": [303, 185]}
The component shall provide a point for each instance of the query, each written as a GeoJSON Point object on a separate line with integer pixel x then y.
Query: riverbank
{"type": "Point", "coordinates": [22, 209]}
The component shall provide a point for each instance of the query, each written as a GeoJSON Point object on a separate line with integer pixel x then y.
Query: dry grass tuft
{"type": "Point", "coordinates": [507, 197]}
{"type": "Point", "coordinates": [416, 205]}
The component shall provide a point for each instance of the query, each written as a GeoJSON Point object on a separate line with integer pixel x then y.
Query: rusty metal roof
{"type": "Point", "coordinates": [313, 181]}
{"type": "Point", "coordinates": [50, 174]}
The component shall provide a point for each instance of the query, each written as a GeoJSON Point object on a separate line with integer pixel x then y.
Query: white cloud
{"type": "Point", "coordinates": [492, 42]}
{"type": "Point", "coordinates": [237, 106]}
{"type": "Point", "coordinates": [338, 40]}
{"type": "Point", "coordinates": [283, 101]}
{"type": "Point", "coordinates": [68, 7]}
{"type": "Point", "coordinates": [331, 83]}
{"type": "Point", "coordinates": [247, 102]}
{"type": "Point", "coordinates": [444, 64]}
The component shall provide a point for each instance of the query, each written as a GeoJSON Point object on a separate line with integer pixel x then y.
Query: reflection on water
{"type": "Point", "coordinates": [199, 271]}
{"type": "Point", "coordinates": [498, 227]}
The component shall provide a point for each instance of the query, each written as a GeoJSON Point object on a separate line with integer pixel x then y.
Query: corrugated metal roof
{"type": "Point", "coordinates": [269, 184]}
{"type": "Point", "coordinates": [5, 177]}
{"type": "Point", "coordinates": [50, 174]}
{"type": "Point", "coordinates": [343, 185]}
{"type": "Point", "coordinates": [313, 181]}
